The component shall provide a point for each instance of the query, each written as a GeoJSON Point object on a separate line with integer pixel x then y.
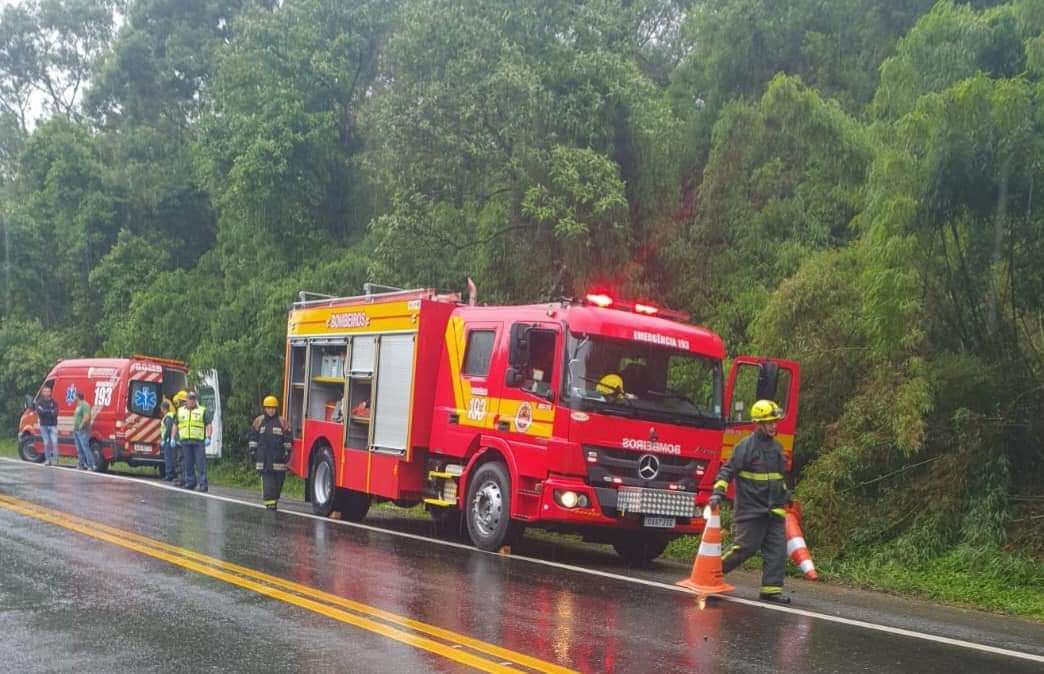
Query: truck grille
{"type": "Point", "coordinates": [655, 502]}
{"type": "Point", "coordinates": [620, 467]}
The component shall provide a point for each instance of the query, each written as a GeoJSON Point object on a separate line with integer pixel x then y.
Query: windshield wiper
{"type": "Point", "coordinates": [673, 393]}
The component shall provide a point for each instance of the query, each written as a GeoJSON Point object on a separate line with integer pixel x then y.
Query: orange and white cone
{"type": "Point", "coordinates": [796, 548]}
{"type": "Point", "coordinates": [707, 576]}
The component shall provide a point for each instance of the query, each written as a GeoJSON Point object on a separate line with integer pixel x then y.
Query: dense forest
{"type": "Point", "coordinates": [854, 184]}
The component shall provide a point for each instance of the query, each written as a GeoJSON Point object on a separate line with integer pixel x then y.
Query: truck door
{"type": "Point", "coordinates": [751, 379]}
{"type": "Point", "coordinates": [532, 381]}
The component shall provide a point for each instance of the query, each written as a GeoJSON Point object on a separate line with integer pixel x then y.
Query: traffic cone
{"type": "Point", "coordinates": [796, 548]}
{"type": "Point", "coordinates": [707, 576]}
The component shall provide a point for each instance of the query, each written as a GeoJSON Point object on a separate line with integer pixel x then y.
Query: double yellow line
{"type": "Point", "coordinates": [460, 648]}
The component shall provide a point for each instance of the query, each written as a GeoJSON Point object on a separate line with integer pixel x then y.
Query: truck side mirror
{"type": "Point", "coordinates": [518, 353]}
{"type": "Point", "coordinates": [512, 378]}
{"type": "Point", "coordinates": [768, 381]}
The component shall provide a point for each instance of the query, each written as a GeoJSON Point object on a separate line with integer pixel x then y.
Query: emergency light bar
{"type": "Point", "coordinates": [606, 301]}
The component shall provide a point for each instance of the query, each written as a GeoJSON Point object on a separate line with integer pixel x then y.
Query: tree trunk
{"type": "Point", "coordinates": [1000, 217]}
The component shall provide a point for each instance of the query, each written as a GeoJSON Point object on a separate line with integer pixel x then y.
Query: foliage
{"type": "Point", "coordinates": [853, 184]}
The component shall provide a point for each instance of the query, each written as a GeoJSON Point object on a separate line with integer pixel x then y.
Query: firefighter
{"type": "Point", "coordinates": [757, 464]}
{"type": "Point", "coordinates": [270, 447]}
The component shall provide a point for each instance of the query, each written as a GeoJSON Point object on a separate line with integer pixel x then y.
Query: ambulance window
{"type": "Point", "coordinates": [145, 398]}
{"type": "Point", "coordinates": [478, 353]}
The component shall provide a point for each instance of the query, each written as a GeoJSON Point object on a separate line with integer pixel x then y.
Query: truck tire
{"type": "Point", "coordinates": [101, 464]}
{"type": "Point", "coordinates": [639, 548]}
{"type": "Point", "coordinates": [323, 484]}
{"type": "Point", "coordinates": [27, 450]}
{"type": "Point", "coordinates": [353, 505]}
{"type": "Point", "coordinates": [487, 512]}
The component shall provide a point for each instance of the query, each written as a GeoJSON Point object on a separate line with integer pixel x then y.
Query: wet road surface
{"type": "Point", "coordinates": [101, 574]}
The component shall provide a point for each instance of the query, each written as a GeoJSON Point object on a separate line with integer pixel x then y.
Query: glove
{"type": "Point", "coordinates": [715, 500]}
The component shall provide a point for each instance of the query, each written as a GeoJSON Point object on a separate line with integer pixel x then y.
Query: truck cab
{"type": "Point", "coordinates": [609, 419]}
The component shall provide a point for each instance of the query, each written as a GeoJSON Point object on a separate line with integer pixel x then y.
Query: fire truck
{"type": "Point", "coordinates": [598, 416]}
{"type": "Point", "coordinates": [125, 396]}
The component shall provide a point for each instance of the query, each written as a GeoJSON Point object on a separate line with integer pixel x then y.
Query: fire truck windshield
{"type": "Point", "coordinates": [643, 381]}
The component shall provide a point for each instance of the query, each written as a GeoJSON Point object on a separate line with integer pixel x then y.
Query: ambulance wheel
{"type": "Point", "coordinates": [27, 450]}
{"type": "Point", "coordinates": [488, 513]}
{"type": "Point", "coordinates": [639, 548]}
{"type": "Point", "coordinates": [353, 505]}
{"type": "Point", "coordinates": [101, 465]}
{"type": "Point", "coordinates": [323, 485]}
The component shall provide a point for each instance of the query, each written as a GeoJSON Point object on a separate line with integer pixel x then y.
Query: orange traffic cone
{"type": "Point", "coordinates": [796, 548]}
{"type": "Point", "coordinates": [707, 576]}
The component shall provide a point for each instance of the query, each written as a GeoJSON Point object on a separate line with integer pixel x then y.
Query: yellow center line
{"type": "Point", "coordinates": [263, 583]}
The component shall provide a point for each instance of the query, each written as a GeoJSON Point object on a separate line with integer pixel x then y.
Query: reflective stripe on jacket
{"type": "Point", "coordinates": [270, 441]}
{"type": "Point", "coordinates": [757, 464]}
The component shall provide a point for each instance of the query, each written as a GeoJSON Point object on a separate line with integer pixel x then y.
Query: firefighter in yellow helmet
{"type": "Point", "coordinates": [270, 448]}
{"type": "Point", "coordinates": [757, 464]}
{"type": "Point", "coordinates": [611, 385]}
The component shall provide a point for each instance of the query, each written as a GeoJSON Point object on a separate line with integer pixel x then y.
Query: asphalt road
{"type": "Point", "coordinates": [109, 574]}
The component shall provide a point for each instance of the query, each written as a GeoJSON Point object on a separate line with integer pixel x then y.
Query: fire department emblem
{"type": "Point", "coordinates": [523, 418]}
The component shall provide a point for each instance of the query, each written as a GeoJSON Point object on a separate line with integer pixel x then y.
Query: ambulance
{"type": "Point", "coordinates": [125, 396]}
{"type": "Point", "coordinates": [599, 416]}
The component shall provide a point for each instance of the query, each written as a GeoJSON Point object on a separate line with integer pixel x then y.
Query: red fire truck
{"type": "Point", "coordinates": [125, 396]}
{"type": "Point", "coordinates": [599, 416]}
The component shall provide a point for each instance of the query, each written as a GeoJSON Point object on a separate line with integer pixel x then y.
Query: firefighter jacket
{"type": "Point", "coordinates": [757, 464]}
{"type": "Point", "coordinates": [270, 443]}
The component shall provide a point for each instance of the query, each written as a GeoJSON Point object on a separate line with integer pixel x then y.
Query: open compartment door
{"type": "Point", "coordinates": [752, 378]}
{"type": "Point", "coordinates": [394, 392]}
{"type": "Point", "coordinates": [210, 397]}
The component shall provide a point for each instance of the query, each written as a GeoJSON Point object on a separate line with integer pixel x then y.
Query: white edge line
{"type": "Point", "coordinates": [578, 569]}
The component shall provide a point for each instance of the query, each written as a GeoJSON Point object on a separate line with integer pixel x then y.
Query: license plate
{"type": "Point", "coordinates": [142, 448]}
{"type": "Point", "coordinates": [659, 522]}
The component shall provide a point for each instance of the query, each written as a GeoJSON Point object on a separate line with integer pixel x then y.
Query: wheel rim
{"type": "Point", "coordinates": [487, 508]}
{"type": "Point", "coordinates": [29, 450]}
{"type": "Point", "coordinates": [323, 482]}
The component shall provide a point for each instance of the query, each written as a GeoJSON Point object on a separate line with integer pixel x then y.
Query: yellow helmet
{"type": "Point", "coordinates": [610, 385]}
{"type": "Point", "coordinates": [270, 401]}
{"type": "Point", "coordinates": [181, 396]}
{"type": "Point", "coordinates": [765, 411]}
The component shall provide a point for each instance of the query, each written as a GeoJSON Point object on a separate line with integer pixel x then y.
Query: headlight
{"type": "Point", "coordinates": [567, 499]}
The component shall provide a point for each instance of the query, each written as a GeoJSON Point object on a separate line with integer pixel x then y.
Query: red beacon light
{"type": "Point", "coordinates": [647, 309]}
{"type": "Point", "coordinates": [599, 299]}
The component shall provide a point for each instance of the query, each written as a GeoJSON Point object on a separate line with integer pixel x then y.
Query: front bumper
{"type": "Point", "coordinates": [608, 508]}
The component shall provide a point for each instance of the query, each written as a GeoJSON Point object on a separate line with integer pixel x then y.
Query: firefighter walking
{"type": "Point", "coordinates": [757, 464]}
{"type": "Point", "coordinates": [270, 447]}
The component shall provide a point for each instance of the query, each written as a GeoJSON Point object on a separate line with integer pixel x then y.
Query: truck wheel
{"type": "Point", "coordinates": [27, 450]}
{"type": "Point", "coordinates": [323, 483]}
{"type": "Point", "coordinates": [353, 505]}
{"type": "Point", "coordinates": [101, 465]}
{"type": "Point", "coordinates": [488, 513]}
{"type": "Point", "coordinates": [639, 548]}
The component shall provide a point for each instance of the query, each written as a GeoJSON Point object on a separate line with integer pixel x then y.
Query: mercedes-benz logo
{"type": "Point", "coordinates": [648, 467]}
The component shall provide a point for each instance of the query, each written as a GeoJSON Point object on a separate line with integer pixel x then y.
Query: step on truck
{"type": "Point", "coordinates": [596, 416]}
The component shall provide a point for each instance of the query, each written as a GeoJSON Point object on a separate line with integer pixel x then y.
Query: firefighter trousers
{"type": "Point", "coordinates": [272, 486]}
{"type": "Point", "coordinates": [767, 534]}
